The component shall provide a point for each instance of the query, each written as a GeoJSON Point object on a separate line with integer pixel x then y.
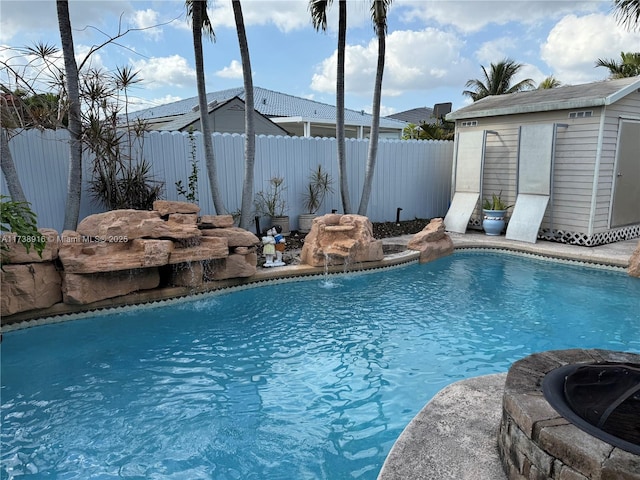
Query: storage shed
{"type": "Point", "coordinates": [567, 158]}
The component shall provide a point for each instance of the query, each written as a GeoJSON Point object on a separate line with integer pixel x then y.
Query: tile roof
{"type": "Point", "coordinates": [179, 122]}
{"type": "Point", "coordinates": [415, 115]}
{"type": "Point", "coordinates": [270, 104]}
{"type": "Point", "coordinates": [544, 100]}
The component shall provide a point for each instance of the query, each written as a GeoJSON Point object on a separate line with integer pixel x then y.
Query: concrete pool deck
{"type": "Point", "coordinates": [454, 437]}
{"type": "Point", "coordinates": [615, 254]}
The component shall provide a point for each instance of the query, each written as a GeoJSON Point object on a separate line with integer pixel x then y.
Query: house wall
{"type": "Point", "coordinates": [229, 118]}
{"type": "Point", "coordinates": [410, 174]}
{"type": "Point", "coordinates": [328, 130]}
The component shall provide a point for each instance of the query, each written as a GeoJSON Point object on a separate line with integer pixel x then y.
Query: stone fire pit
{"type": "Point", "coordinates": [536, 442]}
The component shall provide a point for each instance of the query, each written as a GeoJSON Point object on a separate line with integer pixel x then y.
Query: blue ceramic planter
{"type": "Point", "coordinates": [493, 221]}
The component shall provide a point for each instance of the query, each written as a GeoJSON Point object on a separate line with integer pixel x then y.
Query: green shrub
{"type": "Point", "coordinates": [18, 218]}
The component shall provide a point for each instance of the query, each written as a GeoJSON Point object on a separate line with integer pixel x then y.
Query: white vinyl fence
{"type": "Point", "coordinates": [409, 174]}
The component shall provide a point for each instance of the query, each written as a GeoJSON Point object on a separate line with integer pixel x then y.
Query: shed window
{"type": "Point", "coordinates": [582, 114]}
{"type": "Point", "coordinates": [469, 123]}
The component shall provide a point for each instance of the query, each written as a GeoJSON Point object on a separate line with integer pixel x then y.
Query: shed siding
{"type": "Point", "coordinates": [573, 173]}
{"type": "Point", "coordinates": [627, 107]}
{"type": "Point", "coordinates": [575, 159]}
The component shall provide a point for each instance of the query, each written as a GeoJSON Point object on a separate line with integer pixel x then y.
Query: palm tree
{"type": "Point", "coordinates": [318, 9]}
{"type": "Point", "coordinates": [379, 9]}
{"type": "Point", "coordinates": [437, 131]}
{"type": "Point", "coordinates": [200, 23]}
{"type": "Point", "coordinates": [549, 82]}
{"type": "Point", "coordinates": [627, 12]}
{"type": "Point", "coordinates": [8, 121]}
{"type": "Point", "coordinates": [74, 183]}
{"type": "Point", "coordinates": [9, 168]}
{"type": "Point", "coordinates": [629, 66]}
{"type": "Point", "coordinates": [124, 78]}
{"type": "Point", "coordinates": [497, 81]}
{"type": "Point", "coordinates": [249, 129]}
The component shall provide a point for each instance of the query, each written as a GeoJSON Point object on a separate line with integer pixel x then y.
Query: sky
{"type": "Point", "coordinates": [433, 47]}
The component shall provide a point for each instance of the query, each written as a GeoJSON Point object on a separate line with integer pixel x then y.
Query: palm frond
{"type": "Point", "coordinates": [379, 11]}
{"type": "Point", "coordinates": [205, 21]}
{"type": "Point", "coordinates": [497, 80]}
{"type": "Point", "coordinates": [627, 13]}
{"type": "Point", "coordinates": [318, 10]}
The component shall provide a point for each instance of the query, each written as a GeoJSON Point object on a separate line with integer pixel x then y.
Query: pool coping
{"type": "Point", "coordinates": [61, 312]}
{"type": "Point", "coordinates": [611, 256]}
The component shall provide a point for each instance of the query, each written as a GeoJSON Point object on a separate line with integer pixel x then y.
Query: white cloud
{"type": "Point", "coordinates": [25, 71]}
{"type": "Point", "coordinates": [39, 76]}
{"type": "Point", "coordinates": [147, 20]}
{"type": "Point", "coordinates": [234, 70]}
{"type": "Point", "coordinates": [575, 43]}
{"type": "Point", "coordinates": [36, 17]}
{"type": "Point", "coordinates": [286, 15]}
{"type": "Point", "coordinates": [495, 50]}
{"type": "Point", "coordinates": [158, 72]}
{"type": "Point", "coordinates": [472, 16]}
{"type": "Point", "coordinates": [94, 61]}
{"type": "Point", "coordinates": [16, 16]}
{"type": "Point", "coordinates": [530, 71]}
{"type": "Point", "coordinates": [415, 60]}
{"type": "Point", "coordinates": [386, 111]}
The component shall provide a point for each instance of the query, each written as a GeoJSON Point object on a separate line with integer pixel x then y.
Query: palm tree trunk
{"type": "Point", "coordinates": [375, 121]}
{"type": "Point", "coordinates": [340, 133]}
{"type": "Point", "coordinates": [198, 9]}
{"type": "Point", "coordinates": [249, 129]}
{"type": "Point", "coordinates": [74, 183]}
{"type": "Point", "coordinates": [9, 169]}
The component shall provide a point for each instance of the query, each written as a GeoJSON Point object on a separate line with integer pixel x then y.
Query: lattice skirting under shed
{"type": "Point", "coordinates": [578, 238]}
{"type": "Point", "coordinates": [582, 239]}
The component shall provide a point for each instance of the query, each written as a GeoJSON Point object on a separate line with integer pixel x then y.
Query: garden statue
{"type": "Point", "coordinates": [273, 246]}
{"type": "Point", "coordinates": [280, 244]}
{"type": "Point", "coordinates": [268, 249]}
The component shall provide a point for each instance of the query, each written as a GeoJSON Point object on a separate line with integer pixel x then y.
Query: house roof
{"type": "Point", "coordinates": [271, 104]}
{"type": "Point", "coordinates": [179, 122]}
{"type": "Point", "coordinates": [415, 115]}
{"type": "Point", "coordinates": [545, 100]}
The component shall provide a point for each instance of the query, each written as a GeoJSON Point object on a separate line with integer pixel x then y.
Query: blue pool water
{"type": "Point", "coordinates": [300, 380]}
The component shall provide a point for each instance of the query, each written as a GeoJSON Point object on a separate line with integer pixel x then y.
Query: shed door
{"type": "Point", "coordinates": [626, 193]}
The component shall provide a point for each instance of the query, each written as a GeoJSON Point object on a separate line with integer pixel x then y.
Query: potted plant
{"type": "Point", "coordinates": [319, 185]}
{"type": "Point", "coordinates": [493, 211]}
{"type": "Point", "coordinates": [273, 204]}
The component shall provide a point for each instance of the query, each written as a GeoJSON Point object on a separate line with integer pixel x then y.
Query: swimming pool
{"type": "Point", "coordinates": [293, 380]}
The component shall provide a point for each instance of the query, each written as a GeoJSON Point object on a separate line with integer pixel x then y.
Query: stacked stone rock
{"type": "Point", "coordinates": [123, 251]}
{"type": "Point", "coordinates": [634, 263]}
{"type": "Point", "coordinates": [432, 242]}
{"type": "Point", "coordinates": [338, 239]}
{"type": "Point", "coordinates": [29, 281]}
